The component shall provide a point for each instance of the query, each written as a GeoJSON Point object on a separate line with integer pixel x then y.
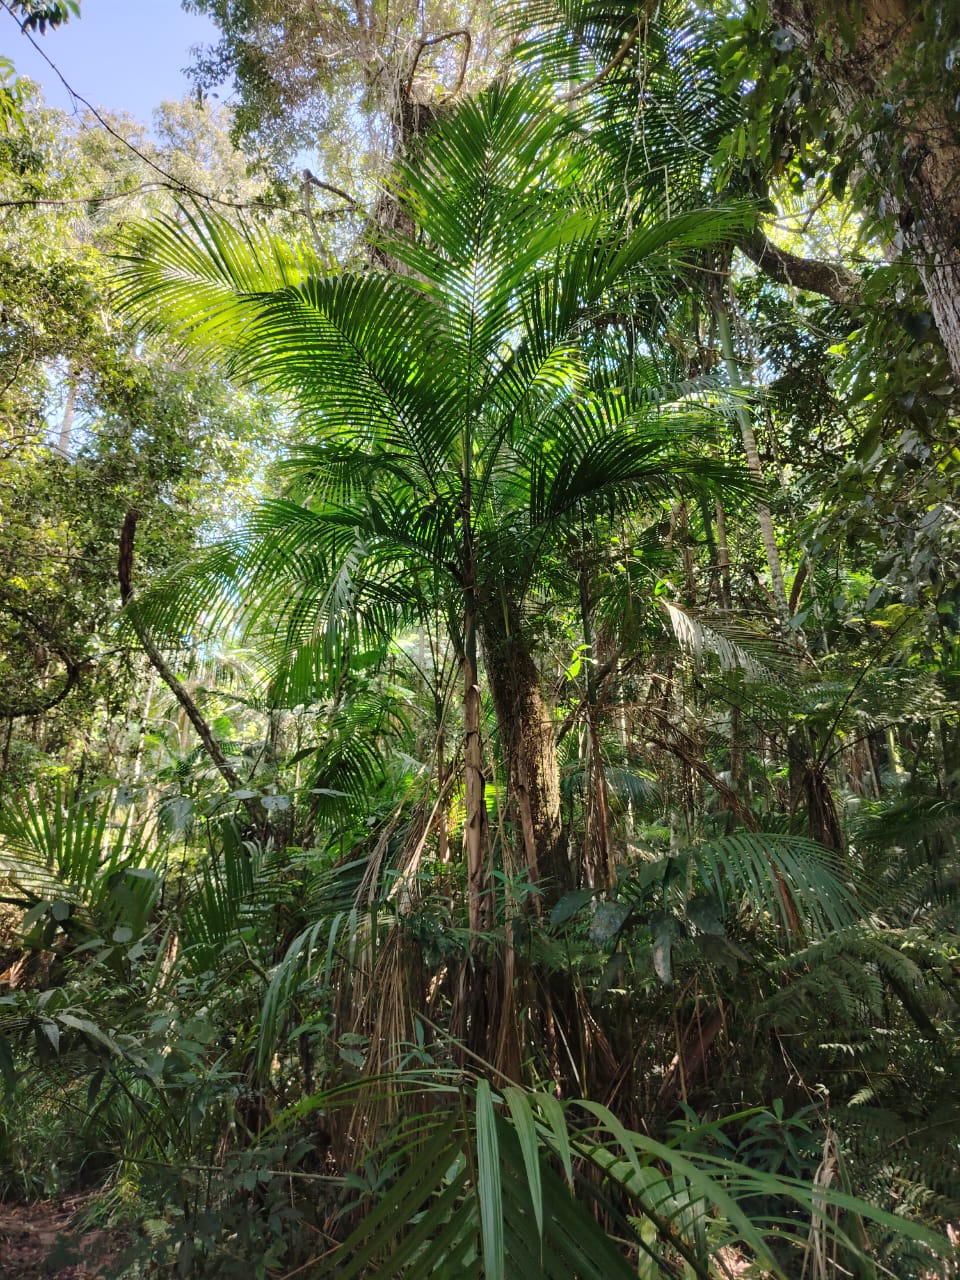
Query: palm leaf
{"type": "Point", "coordinates": [475, 1198]}
{"type": "Point", "coordinates": [734, 646]}
{"type": "Point", "coordinates": [755, 866]}
{"type": "Point", "coordinates": [72, 860]}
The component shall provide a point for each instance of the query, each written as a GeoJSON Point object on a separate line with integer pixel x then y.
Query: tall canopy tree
{"type": "Point", "coordinates": [349, 82]}
{"type": "Point", "coordinates": [94, 422]}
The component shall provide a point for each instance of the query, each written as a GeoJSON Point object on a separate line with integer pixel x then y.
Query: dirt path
{"type": "Point", "coordinates": [30, 1233]}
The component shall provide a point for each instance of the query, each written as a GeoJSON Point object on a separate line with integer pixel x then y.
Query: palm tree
{"type": "Point", "coordinates": [454, 430]}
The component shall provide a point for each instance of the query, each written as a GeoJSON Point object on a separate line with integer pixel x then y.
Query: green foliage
{"type": "Point", "coordinates": [11, 97]}
{"type": "Point", "coordinates": [37, 17]}
{"type": "Point", "coordinates": [259, 1022]}
{"type": "Point", "coordinates": [451, 411]}
{"type": "Point", "coordinates": [76, 868]}
{"type": "Point", "coordinates": [479, 1193]}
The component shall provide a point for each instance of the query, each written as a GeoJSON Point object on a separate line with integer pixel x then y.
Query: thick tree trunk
{"type": "Point", "coordinates": [918, 173]}
{"type": "Point", "coordinates": [529, 745]}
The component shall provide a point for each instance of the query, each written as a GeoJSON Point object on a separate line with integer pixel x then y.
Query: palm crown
{"type": "Point", "coordinates": [452, 427]}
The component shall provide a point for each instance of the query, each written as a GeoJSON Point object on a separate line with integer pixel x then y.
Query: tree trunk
{"type": "Point", "coordinates": [66, 422]}
{"type": "Point", "coordinates": [598, 862]}
{"type": "Point", "coordinates": [191, 712]}
{"type": "Point", "coordinates": [868, 51]}
{"type": "Point", "coordinates": [475, 840]}
{"type": "Point", "coordinates": [529, 745]}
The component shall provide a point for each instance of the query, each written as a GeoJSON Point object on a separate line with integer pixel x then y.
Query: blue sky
{"type": "Point", "coordinates": [120, 55]}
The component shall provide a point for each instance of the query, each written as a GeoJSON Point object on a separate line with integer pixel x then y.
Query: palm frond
{"type": "Point", "coordinates": [756, 866]}
{"type": "Point", "coordinates": [70, 863]}
{"type": "Point", "coordinates": [736, 648]}
{"type": "Point", "coordinates": [477, 1193]}
{"type": "Point", "coordinates": [196, 274]}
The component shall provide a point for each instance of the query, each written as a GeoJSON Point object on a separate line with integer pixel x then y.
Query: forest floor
{"type": "Point", "coordinates": [40, 1241]}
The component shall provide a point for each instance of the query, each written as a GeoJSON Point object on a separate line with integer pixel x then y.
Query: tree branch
{"type": "Point", "coordinates": [579, 90]}
{"type": "Point", "coordinates": [314, 181]}
{"type": "Point", "coordinates": [21, 710]}
{"type": "Point", "coordinates": [39, 705]}
{"type": "Point", "coordinates": [161, 666]}
{"type": "Point", "coordinates": [427, 42]}
{"type": "Point", "coordinates": [829, 279]}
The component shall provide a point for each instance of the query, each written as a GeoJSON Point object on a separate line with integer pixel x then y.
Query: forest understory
{"type": "Point", "coordinates": [480, 648]}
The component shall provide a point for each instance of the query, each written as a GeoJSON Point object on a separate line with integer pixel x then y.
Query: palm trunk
{"type": "Point", "coordinates": [723, 557]}
{"type": "Point", "coordinates": [597, 853]}
{"type": "Point", "coordinates": [529, 745]}
{"type": "Point", "coordinates": [475, 836]}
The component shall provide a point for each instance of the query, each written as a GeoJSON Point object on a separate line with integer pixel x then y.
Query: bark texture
{"type": "Point", "coordinates": [829, 279]}
{"type": "Point", "coordinates": [867, 51]}
{"type": "Point", "coordinates": [529, 745]}
{"type": "Point", "coordinates": [475, 839]}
